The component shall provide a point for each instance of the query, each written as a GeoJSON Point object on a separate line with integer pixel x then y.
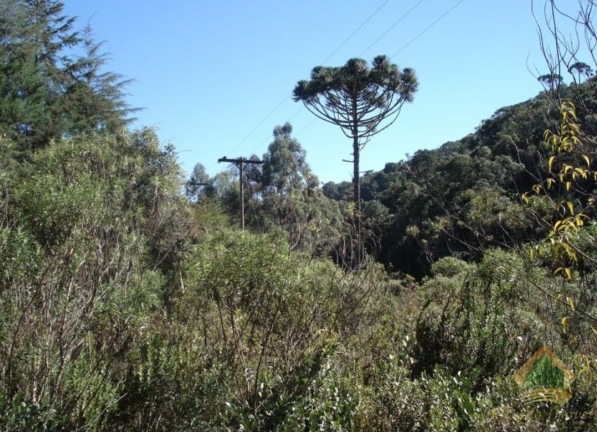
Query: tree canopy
{"type": "Point", "coordinates": [358, 98]}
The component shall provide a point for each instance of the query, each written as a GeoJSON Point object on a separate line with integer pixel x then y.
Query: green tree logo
{"type": "Point", "coordinates": [546, 378]}
{"type": "Point", "coordinates": [545, 375]}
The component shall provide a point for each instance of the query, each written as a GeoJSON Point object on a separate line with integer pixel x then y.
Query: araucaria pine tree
{"type": "Point", "coordinates": [363, 101]}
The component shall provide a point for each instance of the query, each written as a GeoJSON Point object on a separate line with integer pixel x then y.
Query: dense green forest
{"type": "Point", "coordinates": [130, 299]}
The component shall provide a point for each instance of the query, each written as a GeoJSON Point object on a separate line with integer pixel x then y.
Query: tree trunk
{"type": "Point", "coordinates": [242, 195]}
{"type": "Point", "coordinates": [356, 198]}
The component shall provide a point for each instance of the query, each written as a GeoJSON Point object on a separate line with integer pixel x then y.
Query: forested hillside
{"type": "Point", "coordinates": [465, 196]}
{"type": "Point", "coordinates": [131, 299]}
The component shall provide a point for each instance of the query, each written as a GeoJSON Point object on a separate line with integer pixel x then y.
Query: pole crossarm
{"type": "Point", "coordinates": [240, 161]}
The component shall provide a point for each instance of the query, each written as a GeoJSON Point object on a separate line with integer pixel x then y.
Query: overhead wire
{"type": "Point", "coordinates": [259, 124]}
{"type": "Point", "coordinates": [426, 29]}
{"type": "Point", "coordinates": [266, 140]}
{"type": "Point", "coordinates": [384, 34]}
{"type": "Point", "coordinates": [394, 24]}
{"type": "Point", "coordinates": [338, 48]}
{"type": "Point", "coordinates": [357, 30]}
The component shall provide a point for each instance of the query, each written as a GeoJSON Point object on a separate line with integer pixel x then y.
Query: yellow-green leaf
{"type": "Point", "coordinates": [549, 182]}
{"type": "Point", "coordinates": [565, 270]}
{"type": "Point", "coordinates": [565, 324]}
{"type": "Point", "coordinates": [570, 303]}
{"type": "Point", "coordinates": [570, 207]}
{"type": "Point", "coordinates": [551, 159]}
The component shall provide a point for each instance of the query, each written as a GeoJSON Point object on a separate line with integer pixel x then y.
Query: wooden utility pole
{"type": "Point", "coordinates": [241, 162]}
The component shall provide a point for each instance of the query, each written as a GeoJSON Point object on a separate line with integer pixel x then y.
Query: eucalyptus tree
{"type": "Point", "coordinates": [363, 101]}
{"type": "Point", "coordinates": [284, 165]}
{"type": "Point", "coordinates": [288, 189]}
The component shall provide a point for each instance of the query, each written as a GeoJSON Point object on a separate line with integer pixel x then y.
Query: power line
{"type": "Point", "coordinates": [272, 112]}
{"type": "Point", "coordinates": [426, 29]}
{"type": "Point", "coordinates": [384, 34]}
{"type": "Point", "coordinates": [356, 30]}
{"type": "Point", "coordinates": [398, 21]}
{"type": "Point", "coordinates": [266, 140]}
{"type": "Point", "coordinates": [259, 124]}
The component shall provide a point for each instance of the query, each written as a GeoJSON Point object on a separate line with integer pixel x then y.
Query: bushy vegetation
{"type": "Point", "coordinates": [130, 300]}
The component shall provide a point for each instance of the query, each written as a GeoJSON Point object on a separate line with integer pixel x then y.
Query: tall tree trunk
{"type": "Point", "coordinates": [356, 184]}
{"type": "Point", "coordinates": [356, 198]}
{"type": "Point", "coordinates": [242, 195]}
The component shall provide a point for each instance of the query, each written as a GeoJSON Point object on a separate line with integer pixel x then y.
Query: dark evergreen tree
{"type": "Point", "coordinates": [23, 83]}
{"type": "Point", "coordinates": [93, 98]}
{"type": "Point", "coordinates": [47, 91]}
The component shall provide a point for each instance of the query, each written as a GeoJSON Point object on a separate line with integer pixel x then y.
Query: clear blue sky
{"type": "Point", "coordinates": [216, 76]}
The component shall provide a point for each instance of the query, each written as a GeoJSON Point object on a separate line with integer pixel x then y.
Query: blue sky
{"type": "Point", "coordinates": [216, 76]}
